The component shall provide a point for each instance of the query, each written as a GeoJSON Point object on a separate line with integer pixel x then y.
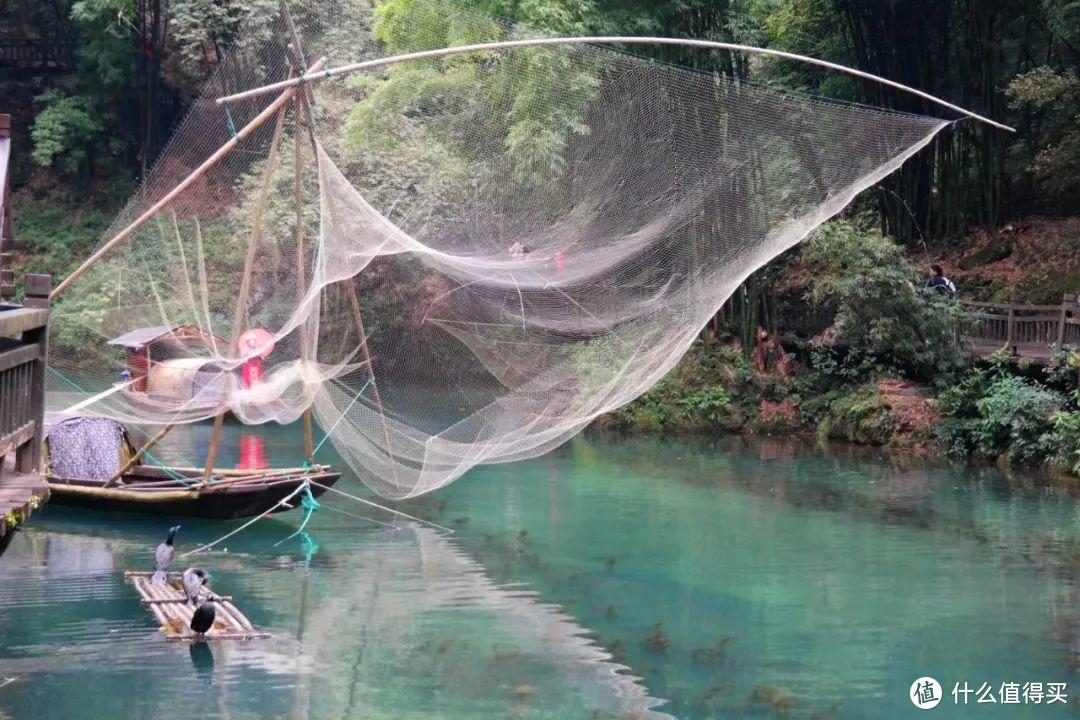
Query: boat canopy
{"type": "Point", "coordinates": [187, 378]}
{"type": "Point", "coordinates": [175, 335]}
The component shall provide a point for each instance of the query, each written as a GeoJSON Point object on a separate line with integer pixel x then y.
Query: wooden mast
{"type": "Point", "coordinates": [245, 282]}
{"type": "Point", "coordinates": [358, 319]}
{"type": "Point", "coordinates": [301, 265]}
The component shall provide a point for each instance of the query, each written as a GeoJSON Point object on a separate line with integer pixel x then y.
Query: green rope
{"type": "Point", "coordinates": [310, 505]}
{"type": "Point", "coordinates": [61, 375]}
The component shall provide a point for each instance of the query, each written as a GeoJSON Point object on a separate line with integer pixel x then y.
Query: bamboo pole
{"type": "Point", "coordinates": [596, 40]}
{"type": "Point", "coordinates": [184, 184]}
{"type": "Point", "coordinates": [138, 455]}
{"type": "Point", "coordinates": [301, 287]}
{"type": "Point", "coordinates": [358, 319]}
{"type": "Point", "coordinates": [245, 281]}
{"type": "Point", "coordinates": [350, 289]}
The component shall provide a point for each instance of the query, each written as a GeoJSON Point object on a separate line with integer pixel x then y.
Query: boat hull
{"type": "Point", "coordinates": [152, 494]}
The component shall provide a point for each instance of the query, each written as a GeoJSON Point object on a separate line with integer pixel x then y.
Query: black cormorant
{"type": "Point", "coordinates": [203, 617]}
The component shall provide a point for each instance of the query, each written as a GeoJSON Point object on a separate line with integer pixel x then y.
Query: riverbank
{"type": "Point", "coordinates": [1010, 414]}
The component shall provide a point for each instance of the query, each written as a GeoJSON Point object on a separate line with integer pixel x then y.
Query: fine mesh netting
{"type": "Point", "coordinates": [458, 261]}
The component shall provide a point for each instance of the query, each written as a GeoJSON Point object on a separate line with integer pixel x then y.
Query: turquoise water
{"type": "Point", "coordinates": [612, 578]}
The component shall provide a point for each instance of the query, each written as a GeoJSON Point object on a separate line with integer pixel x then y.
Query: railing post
{"type": "Point", "coordinates": [1066, 299]}
{"type": "Point", "coordinates": [1009, 329]}
{"type": "Point", "coordinates": [38, 288]}
{"type": "Point", "coordinates": [7, 280]}
{"type": "Point", "coordinates": [28, 458]}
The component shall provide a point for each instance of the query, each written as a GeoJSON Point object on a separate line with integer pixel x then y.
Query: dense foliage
{"type": "Point", "coordinates": [882, 312]}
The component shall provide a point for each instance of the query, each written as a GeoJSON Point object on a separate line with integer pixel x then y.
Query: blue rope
{"type": "Point", "coordinates": [229, 120]}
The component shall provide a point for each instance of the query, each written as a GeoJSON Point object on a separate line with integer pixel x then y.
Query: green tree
{"type": "Point", "coordinates": [1050, 101]}
{"type": "Point", "coordinates": [881, 311]}
{"type": "Point", "coordinates": [65, 130]}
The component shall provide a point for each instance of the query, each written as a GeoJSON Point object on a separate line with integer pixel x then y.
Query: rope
{"type": "Point", "coordinates": [359, 517]}
{"type": "Point", "coordinates": [229, 120]}
{"type": "Point", "coordinates": [61, 375]}
{"type": "Point", "coordinates": [362, 501]}
{"type": "Point", "coordinates": [310, 506]}
{"type": "Point", "coordinates": [342, 417]}
{"type": "Point", "coordinates": [249, 523]}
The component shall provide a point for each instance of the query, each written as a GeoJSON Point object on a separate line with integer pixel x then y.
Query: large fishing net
{"type": "Point", "coordinates": [450, 261]}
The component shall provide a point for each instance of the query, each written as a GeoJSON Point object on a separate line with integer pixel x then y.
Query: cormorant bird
{"type": "Point", "coordinates": [203, 617]}
{"type": "Point", "coordinates": [194, 579]}
{"type": "Point", "coordinates": [164, 555]}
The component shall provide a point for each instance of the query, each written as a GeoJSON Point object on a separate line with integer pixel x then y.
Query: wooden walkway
{"type": "Point", "coordinates": [1027, 331]}
{"type": "Point", "coordinates": [23, 354]}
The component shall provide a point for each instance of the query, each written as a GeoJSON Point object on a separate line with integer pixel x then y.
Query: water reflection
{"type": "Point", "coordinates": [376, 623]}
{"type": "Point", "coordinates": [202, 659]}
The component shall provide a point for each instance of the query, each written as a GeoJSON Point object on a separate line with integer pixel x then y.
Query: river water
{"type": "Point", "coordinates": [612, 578]}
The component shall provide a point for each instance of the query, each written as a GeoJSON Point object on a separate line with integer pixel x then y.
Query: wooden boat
{"type": "Point", "coordinates": [233, 494]}
{"type": "Point", "coordinates": [170, 368]}
{"type": "Point", "coordinates": [151, 403]}
{"type": "Point", "coordinates": [91, 462]}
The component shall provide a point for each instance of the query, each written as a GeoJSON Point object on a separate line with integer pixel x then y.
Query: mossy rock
{"type": "Point", "coordinates": [999, 248]}
{"type": "Point", "coordinates": [862, 417]}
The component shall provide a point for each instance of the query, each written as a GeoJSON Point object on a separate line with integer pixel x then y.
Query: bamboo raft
{"type": "Point", "coordinates": [171, 608]}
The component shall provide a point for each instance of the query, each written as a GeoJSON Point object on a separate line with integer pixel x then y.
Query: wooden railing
{"type": "Point", "coordinates": [1025, 330]}
{"type": "Point", "coordinates": [23, 357]}
{"type": "Point", "coordinates": [1020, 327]}
{"type": "Point", "coordinates": [36, 54]}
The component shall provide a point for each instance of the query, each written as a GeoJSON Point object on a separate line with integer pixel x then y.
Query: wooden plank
{"type": "Point", "coordinates": [38, 285]}
{"type": "Point", "coordinates": [1009, 306]}
{"type": "Point", "coordinates": [16, 322]}
{"type": "Point", "coordinates": [20, 355]}
{"type": "Point", "coordinates": [16, 438]}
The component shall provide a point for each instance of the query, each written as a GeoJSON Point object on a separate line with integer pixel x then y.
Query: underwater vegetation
{"type": "Point", "coordinates": [657, 640]}
{"type": "Point", "coordinates": [773, 698]}
{"type": "Point", "coordinates": [714, 655]}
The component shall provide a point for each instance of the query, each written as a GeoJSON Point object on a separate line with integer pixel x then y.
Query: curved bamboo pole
{"type": "Point", "coordinates": [597, 40]}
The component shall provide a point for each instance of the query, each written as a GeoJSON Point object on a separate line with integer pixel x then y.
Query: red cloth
{"type": "Point", "coordinates": [252, 372]}
{"type": "Point", "coordinates": [560, 263]}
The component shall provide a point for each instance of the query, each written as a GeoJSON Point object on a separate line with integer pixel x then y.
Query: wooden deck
{"type": "Point", "coordinates": [20, 495]}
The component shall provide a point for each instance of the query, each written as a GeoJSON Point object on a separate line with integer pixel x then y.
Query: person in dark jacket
{"type": "Point", "coordinates": [939, 283]}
